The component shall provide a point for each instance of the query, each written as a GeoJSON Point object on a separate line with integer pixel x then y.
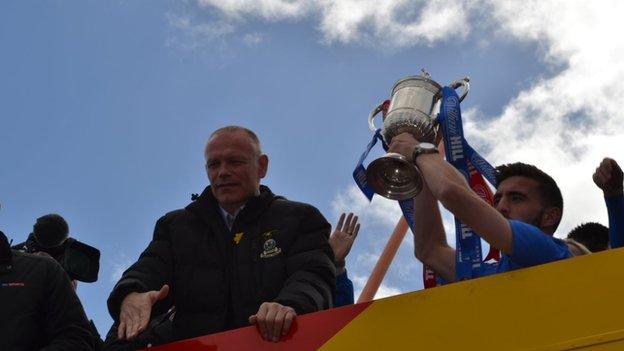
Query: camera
{"type": "Point", "coordinates": [50, 235]}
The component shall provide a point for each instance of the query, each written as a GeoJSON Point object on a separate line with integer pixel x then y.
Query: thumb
{"type": "Point", "coordinates": [253, 319]}
{"type": "Point", "coordinates": [156, 296]}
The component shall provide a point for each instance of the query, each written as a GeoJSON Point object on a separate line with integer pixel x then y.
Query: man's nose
{"type": "Point", "coordinates": [502, 207]}
{"type": "Point", "coordinates": [223, 171]}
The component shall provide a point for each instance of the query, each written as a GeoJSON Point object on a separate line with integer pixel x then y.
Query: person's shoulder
{"type": "Point", "coordinates": [181, 212]}
{"type": "Point", "coordinates": [283, 203]}
{"type": "Point", "coordinates": [523, 227]}
{"type": "Point", "coordinates": [176, 216]}
{"type": "Point", "coordinates": [32, 258]}
{"type": "Point", "coordinates": [532, 243]}
{"type": "Point", "coordinates": [26, 262]}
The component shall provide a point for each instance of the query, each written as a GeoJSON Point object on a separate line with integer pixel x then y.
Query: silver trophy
{"type": "Point", "coordinates": [413, 108]}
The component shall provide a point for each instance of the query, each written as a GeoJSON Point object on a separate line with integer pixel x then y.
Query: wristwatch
{"type": "Point", "coordinates": [423, 148]}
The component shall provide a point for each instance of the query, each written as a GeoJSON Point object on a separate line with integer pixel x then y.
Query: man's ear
{"type": "Point", "coordinates": [551, 218]}
{"type": "Point", "coordinates": [263, 165]}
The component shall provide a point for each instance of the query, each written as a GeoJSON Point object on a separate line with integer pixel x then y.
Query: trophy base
{"type": "Point", "coordinates": [393, 177]}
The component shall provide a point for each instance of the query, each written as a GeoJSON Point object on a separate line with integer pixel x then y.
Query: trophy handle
{"type": "Point", "coordinates": [464, 83]}
{"type": "Point", "coordinates": [371, 117]}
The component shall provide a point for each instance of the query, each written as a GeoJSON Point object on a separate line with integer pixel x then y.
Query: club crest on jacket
{"type": "Point", "coordinates": [270, 245]}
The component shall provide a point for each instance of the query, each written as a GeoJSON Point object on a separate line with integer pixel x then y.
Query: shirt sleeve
{"type": "Point", "coordinates": [153, 269]}
{"type": "Point", "coordinates": [343, 295]}
{"type": "Point", "coordinates": [532, 247]}
{"type": "Point", "coordinates": [615, 209]}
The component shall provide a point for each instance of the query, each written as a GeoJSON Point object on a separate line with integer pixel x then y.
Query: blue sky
{"type": "Point", "coordinates": [106, 106]}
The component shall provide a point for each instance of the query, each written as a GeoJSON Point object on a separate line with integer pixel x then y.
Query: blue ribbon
{"type": "Point", "coordinates": [481, 164]}
{"type": "Point", "coordinates": [468, 254]}
{"type": "Point", "coordinates": [359, 174]}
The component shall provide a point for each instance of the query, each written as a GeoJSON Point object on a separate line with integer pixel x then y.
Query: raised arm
{"type": "Point", "coordinates": [341, 241]}
{"type": "Point", "coordinates": [450, 188]}
{"type": "Point", "coordinates": [430, 245]}
{"type": "Point", "coordinates": [609, 178]}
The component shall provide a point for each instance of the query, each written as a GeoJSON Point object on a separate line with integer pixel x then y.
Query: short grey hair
{"type": "Point", "coordinates": [232, 129]}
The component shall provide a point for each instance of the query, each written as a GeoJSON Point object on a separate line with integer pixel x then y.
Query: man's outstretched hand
{"type": "Point", "coordinates": [273, 320]}
{"type": "Point", "coordinates": [609, 177]}
{"type": "Point", "coordinates": [342, 239]}
{"type": "Point", "coordinates": [135, 312]}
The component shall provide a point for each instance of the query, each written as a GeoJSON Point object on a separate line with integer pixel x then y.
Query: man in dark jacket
{"type": "Point", "coordinates": [236, 255]}
{"type": "Point", "coordinates": [40, 310]}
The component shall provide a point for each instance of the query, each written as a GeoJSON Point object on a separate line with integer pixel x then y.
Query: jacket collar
{"type": "Point", "coordinates": [207, 207]}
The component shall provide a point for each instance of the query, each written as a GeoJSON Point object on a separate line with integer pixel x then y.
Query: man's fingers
{"type": "Point", "coordinates": [137, 323]}
{"type": "Point", "coordinates": [261, 320]}
{"type": "Point", "coordinates": [347, 226]}
{"type": "Point", "coordinates": [356, 231]}
{"type": "Point", "coordinates": [253, 319]}
{"type": "Point", "coordinates": [268, 321]}
{"type": "Point", "coordinates": [130, 328]}
{"type": "Point", "coordinates": [278, 323]}
{"type": "Point", "coordinates": [340, 222]}
{"type": "Point", "coordinates": [353, 225]}
{"type": "Point", "coordinates": [121, 331]}
{"type": "Point", "coordinates": [602, 180]}
{"type": "Point", "coordinates": [616, 167]}
{"type": "Point", "coordinates": [127, 317]}
{"type": "Point", "coordinates": [144, 317]}
{"type": "Point", "coordinates": [288, 319]}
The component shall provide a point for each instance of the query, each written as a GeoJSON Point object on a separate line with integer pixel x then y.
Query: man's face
{"type": "Point", "coordinates": [518, 198]}
{"type": "Point", "coordinates": [234, 168]}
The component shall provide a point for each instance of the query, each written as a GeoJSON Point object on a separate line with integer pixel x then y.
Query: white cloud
{"type": "Point", "coordinates": [398, 23]}
{"type": "Point", "coordinates": [380, 210]}
{"type": "Point", "coordinates": [272, 10]}
{"type": "Point", "coordinates": [384, 290]}
{"type": "Point", "coordinates": [393, 23]}
{"type": "Point", "coordinates": [253, 39]}
{"type": "Point", "coordinates": [191, 33]}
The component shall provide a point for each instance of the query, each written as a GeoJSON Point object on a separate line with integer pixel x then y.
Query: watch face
{"type": "Point", "coordinates": [423, 148]}
{"type": "Point", "coordinates": [426, 146]}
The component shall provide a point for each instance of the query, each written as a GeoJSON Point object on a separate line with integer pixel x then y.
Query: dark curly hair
{"type": "Point", "coordinates": [594, 236]}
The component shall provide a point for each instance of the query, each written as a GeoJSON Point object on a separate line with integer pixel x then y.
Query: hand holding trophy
{"type": "Point", "coordinates": [413, 108]}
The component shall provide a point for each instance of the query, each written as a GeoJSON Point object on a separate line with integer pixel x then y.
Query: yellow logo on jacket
{"type": "Point", "coordinates": [237, 237]}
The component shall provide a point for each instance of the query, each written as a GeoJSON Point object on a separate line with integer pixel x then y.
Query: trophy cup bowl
{"type": "Point", "coordinates": [394, 177]}
{"type": "Point", "coordinates": [413, 109]}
